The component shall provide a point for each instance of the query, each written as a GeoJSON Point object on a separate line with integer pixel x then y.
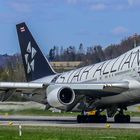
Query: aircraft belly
{"type": "Point", "coordinates": [129, 96]}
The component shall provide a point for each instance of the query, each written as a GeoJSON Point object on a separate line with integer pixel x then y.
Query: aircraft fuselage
{"type": "Point", "coordinates": [124, 67]}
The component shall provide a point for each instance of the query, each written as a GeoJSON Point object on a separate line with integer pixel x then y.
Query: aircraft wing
{"type": "Point", "coordinates": [98, 88]}
{"type": "Point", "coordinates": [21, 86]}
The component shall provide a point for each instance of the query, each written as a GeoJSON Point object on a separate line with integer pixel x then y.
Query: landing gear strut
{"type": "Point", "coordinates": [121, 118]}
{"type": "Point", "coordinates": [96, 118]}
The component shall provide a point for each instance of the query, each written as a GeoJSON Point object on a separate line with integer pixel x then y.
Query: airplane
{"type": "Point", "coordinates": [109, 86]}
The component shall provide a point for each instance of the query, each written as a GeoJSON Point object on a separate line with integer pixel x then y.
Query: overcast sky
{"type": "Point", "coordinates": [68, 22]}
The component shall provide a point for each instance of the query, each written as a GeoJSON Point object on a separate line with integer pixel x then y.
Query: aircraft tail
{"type": "Point", "coordinates": [35, 63]}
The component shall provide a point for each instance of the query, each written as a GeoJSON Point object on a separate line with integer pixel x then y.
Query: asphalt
{"type": "Point", "coordinates": [58, 121]}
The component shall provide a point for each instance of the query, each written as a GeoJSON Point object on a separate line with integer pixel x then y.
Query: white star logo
{"type": "Point", "coordinates": [29, 57]}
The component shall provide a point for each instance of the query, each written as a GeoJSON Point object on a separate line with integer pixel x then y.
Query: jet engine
{"type": "Point", "coordinates": [60, 97]}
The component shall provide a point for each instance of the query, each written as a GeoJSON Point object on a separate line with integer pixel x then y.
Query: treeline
{"type": "Point", "coordinates": [92, 54]}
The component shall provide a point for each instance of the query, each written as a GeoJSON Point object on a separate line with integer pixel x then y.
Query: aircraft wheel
{"type": "Point", "coordinates": [103, 119]}
{"type": "Point", "coordinates": [127, 119]}
{"type": "Point", "coordinates": [117, 118]}
{"type": "Point", "coordinates": [122, 118]}
{"type": "Point", "coordinates": [79, 119]}
{"type": "Point", "coordinates": [91, 119]}
{"type": "Point", "coordinates": [82, 118]}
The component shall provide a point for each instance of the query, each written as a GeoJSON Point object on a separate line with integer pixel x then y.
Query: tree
{"type": "Point", "coordinates": [51, 54]}
{"type": "Point", "coordinates": [80, 56]}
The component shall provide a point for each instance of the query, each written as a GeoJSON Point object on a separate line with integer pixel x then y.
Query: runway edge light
{"type": "Point", "coordinates": [108, 126]}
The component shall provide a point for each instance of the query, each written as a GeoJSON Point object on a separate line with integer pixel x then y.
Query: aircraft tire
{"type": "Point", "coordinates": [91, 119]}
{"type": "Point", "coordinates": [82, 118]}
{"type": "Point", "coordinates": [103, 119]}
{"type": "Point", "coordinates": [122, 118]}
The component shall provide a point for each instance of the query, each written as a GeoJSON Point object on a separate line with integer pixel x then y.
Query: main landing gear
{"type": "Point", "coordinates": [96, 117]}
{"type": "Point", "coordinates": [92, 118]}
{"type": "Point", "coordinates": [121, 118]}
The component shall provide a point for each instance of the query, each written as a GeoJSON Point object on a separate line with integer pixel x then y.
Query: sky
{"type": "Point", "coordinates": [68, 22]}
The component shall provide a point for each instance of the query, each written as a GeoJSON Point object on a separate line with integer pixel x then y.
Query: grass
{"type": "Point", "coordinates": [56, 133]}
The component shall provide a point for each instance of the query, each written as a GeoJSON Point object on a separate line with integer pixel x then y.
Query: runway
{"type": "Point", "coordinates": [58, 121]}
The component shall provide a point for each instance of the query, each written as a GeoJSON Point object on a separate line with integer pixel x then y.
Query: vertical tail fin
{"type": "Point", "coordinates": [35, 63]}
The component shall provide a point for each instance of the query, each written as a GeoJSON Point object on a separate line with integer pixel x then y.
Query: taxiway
{"type": "Point", "coordinates": [58, 121]}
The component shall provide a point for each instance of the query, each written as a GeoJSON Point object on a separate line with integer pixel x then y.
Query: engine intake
{"type": "Point", "coordinates": [60, 97]}
{"type": "Point", "coordinates": [65, 95]}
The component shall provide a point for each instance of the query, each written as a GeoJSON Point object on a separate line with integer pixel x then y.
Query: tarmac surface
{"type": "Point", "coordinates": [58, 121]}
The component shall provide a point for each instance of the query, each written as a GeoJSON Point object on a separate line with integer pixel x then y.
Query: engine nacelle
{"type": "Point", "coordinates": [60, 97]}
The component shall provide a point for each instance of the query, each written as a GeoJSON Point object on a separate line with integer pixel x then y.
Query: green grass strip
{"type": "Point", "coordinates": [56, 133]}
